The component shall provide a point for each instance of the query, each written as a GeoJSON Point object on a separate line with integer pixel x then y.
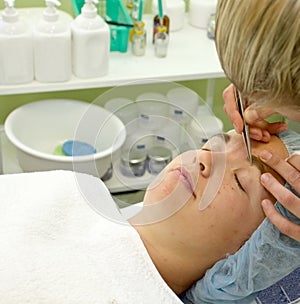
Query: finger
{"type": "Point", "coordinates": [257, 122]}
{"type": "Point", "coordinates": [284, 225]}
{"type": "Point", "coordinates": [234, 117]}
{"type": "Point", "coordinates": [284, 168]}
{"type": "Point", "coordinates": [294, 160]}
{"type": "Point", "coordinates": [257, 115]}
{"type": "Point", "coordinates": [259, 134]}
{"type": "Point", "coordinates": [231, 110]}
{"type": "Point", "coordinates": [277, 127]}
{"type": "Point", "coordinates": [264, 135]}
{"type": "Point", "coordinates": [283, 195]}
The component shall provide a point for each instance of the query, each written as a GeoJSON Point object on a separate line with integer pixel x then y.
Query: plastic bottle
{"type": "Point", "coordinates": [52, 46]}
{"type": "Point", "coordinates": [91, 43]}
{"type": "Point", "coordinates": [16, 51]}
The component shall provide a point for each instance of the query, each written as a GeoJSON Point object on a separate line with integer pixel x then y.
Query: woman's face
{"type": "Point", "coordinates": [216, 185]}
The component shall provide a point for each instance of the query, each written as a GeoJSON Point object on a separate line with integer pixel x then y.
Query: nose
{"type": "Point", "coordinates": [200, 160]}
{"type": "Point", "coordinates": [205, 162]}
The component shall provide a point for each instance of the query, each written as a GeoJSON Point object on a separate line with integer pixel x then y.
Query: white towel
{"type": "Point", "coordinates": [57, 249]}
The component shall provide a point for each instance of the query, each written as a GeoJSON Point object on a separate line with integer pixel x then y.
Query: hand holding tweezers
{"type": "Point", "coordinates": [241, 107]}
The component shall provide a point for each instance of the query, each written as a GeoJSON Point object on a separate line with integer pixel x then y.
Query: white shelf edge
{"type": "Point", "coordinates": [79, 84]}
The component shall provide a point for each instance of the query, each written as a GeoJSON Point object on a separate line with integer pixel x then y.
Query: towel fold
{"type": "Point", "coordinates": [63, 241]}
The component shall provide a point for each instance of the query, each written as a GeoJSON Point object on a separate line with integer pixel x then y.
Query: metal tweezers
{"type": "Point", "coordinates": [241, 107]}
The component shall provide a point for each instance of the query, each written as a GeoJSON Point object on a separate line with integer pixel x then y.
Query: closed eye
{"type": "Point", "coordinates": [238, 182]}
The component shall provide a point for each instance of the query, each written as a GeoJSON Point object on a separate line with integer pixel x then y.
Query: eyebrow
{"type": "Point", "coordinates": [261, 166]}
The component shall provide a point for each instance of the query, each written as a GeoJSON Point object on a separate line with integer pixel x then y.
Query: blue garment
{"type": "Point", "coordinates": [267, 257]}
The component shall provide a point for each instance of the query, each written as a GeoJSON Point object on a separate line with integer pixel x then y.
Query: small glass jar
{"type": "Point", "coordinates": [139, 39]}
{"type": "Point", "coordinates": [161, 42]}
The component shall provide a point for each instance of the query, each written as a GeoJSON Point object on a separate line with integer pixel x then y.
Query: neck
{"type": "Point", "coordinates": [178, 265]}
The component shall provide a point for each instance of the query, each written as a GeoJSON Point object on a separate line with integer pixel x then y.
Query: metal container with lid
{"type": "Point", "coordinates": [158, 158]}
{"type": "Point", "coordinates": [133, 162]}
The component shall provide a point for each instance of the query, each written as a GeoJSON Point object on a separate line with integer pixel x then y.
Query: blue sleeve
{"type": "Point", "coordinates": [265, 258]}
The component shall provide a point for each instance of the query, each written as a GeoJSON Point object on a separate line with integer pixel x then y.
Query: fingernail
{"type": "Point", "coordinates": [264, 178]}
{"type": "Point", "coordinates": [265, 203]}
{"type": "Point", "coordinates": [265, 155]}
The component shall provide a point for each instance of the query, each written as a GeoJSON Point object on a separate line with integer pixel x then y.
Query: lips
{"type": "Point", "coordinates": [186, 178]}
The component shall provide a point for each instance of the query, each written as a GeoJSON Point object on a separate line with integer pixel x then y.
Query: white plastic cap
{"type": "Point", "coordinates": [89, 9]}
{"type": "Point", "coordinates": [10, 14]}
{"type": "Point", "coordinates": [50, 13]}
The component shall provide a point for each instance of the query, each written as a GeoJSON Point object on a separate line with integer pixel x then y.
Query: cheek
{"type": "Point", "coordinates": [159, 188]}
{"type": "Point", "coordinates": [164, 187]}
{"type": "Point", "coordinates": [226, 204]}
{"type": "Point", "coordinates": [249, 216]}
{"type": "Point", "coordinates": [235, 212]}
{"type": "Point", "coordinates": [233, 218]}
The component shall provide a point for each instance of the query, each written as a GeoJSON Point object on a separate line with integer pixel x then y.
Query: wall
{"type": "Point", "coordinates": [8, 103]}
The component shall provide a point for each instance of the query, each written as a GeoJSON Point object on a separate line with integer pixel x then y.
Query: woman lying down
{"type": "Point", "coordinates": [63, 240]}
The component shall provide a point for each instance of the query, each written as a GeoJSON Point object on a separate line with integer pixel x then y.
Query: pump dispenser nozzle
{"type": "Point", "coordinates": [89, 9]}
{"type": "Point", "coordinates": [10, 14]}
{"type": "Point", "coordinates": [50, 13]}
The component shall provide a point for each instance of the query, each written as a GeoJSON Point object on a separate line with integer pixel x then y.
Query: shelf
{"type": "Point", "coordinates": [191, 56]}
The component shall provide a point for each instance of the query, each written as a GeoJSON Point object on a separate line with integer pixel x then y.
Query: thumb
{"type": "Point", "coordinates": [256, 116]}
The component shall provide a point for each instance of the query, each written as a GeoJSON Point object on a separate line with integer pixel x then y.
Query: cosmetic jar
{"type": "Point", "coordinates": [133, 162]}
{"type": "Point", "coordinates": [158, 158]}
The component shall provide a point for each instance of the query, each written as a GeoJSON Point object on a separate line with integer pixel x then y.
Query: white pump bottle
{"type": "Point", "coordinates": [52, 46]}
{"type": "Point", "coordinates": [16, 53]}
{"type": "Point", "coordinates": [91, 43]}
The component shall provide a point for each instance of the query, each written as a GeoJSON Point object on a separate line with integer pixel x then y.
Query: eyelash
{"type": "Point", "coordinates": [238, 183]}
